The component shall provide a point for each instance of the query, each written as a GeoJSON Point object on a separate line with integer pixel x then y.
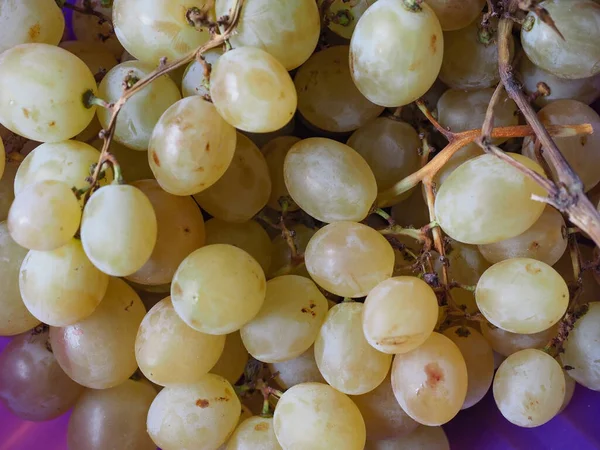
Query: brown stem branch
{"type": "Point", "coordinates": [447, 133]}
{"type": "Point", "coordinates": [89, 12]}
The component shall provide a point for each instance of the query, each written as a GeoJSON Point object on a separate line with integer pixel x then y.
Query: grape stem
{"type": "Point", "coordinates": [89, 10]}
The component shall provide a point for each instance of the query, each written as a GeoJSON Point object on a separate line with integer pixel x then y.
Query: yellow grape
{"type": "Point", "coordinates": [301, 369]}
{"type": "Point", "coordinates": [245, 414]}
{"type": "Point", "coordinates": [255, 433]}
{"type": "Point", "coordinates": [423, 438]}
{"type": "Point", "coordinates": [329, 180]}
{"type": "Point", "coordinates": [233, 360]}
{"type": "Point", "coordinates": [7, 192]}
{"type": "Point", "coordinates": [522, 295]}
{"type": "Point", "coordinates": [191, 147]}
{"type": "Point", "coordinates": [430, 382]}
{"type": "Point", "coordinates": [315, 416]}
{"type": "Point", "coordinates": [119, 229]}
{"type": "Point", "coordinates": [218, 289]}
{"type": "Point", "coordinates": [180, 231]}
{"type": "Point", "coordinates": [349, 259]}
{"type": "Point", "coordinates": [44, 108]}
{"type": "Point", "coordinates": [194, 82]}
{"type": "Point", "coordinates": [506, 343]}
{"type": "Point", "coordinates": [244, 188]}
{"type": "Point", "coordinates": [463, 155]}
{"type": "Point", "coordinates": [456, 14]}
{"type": "Point", "coordinates": [281, 254]}
{"type": "Point", "coordinates": [275, 152]}
{"type": "Point", "coordinates": [96, 56]}
{"type": "Point", "coordinates": [89, 28]}
{"type": "Point", "coordinates": [345, 15]}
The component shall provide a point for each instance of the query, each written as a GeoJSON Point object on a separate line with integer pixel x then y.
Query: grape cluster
{"type": "Point", "coordinates": [196, 249]}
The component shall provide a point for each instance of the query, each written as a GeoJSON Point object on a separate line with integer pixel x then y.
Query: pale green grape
{"type": "Point", "coordinates": [506, 343]}
{"type": "Point", "coordinates": [28, 21]}
{"type": "Point", "coordinates": [345, 15]}
{"type": "Point", "coordinates": [522, 295]}
{"type": "Point", "coordinates": [96, 56]}
{"type": "Point", "coordinates": [61, 287]}
{"type": "Point", "coordinates": [7, 192]}
{"type": "Point", "coordinates": [316, 416]}
{"type": "Point", "coordinates": [288, 321]}
{"type": "Point", "coordinates": [194, 82]}
{"type": "Point", "coordinates": [194, 416]}
{"type": "Point", "coordinates": [252, 90]}
{"type": "Point", "coordinates": [396, 53]}
{"type": "Point", "coordinates": [46, 108]}
{"type": "Point", "coordinates": [90, 28]}
{"type": "Point", "coordinates": [302, 369]}
{"type": "Point", "coordinates": [529, 388]}
{"type": "Point", "coordinates": [456, 14]}
{"type": "Point", "coordinates": [275, 152]}
{"type": "Point", "coordinates": [134, 165]}
{"type": "Point", "coordinates": [245, 414]}
{"type": "Point", "coordinates": [153, 29]}
{"type": "Point", "coordinates": [169, 352]}
{"type": "Point", "coordinates": [44, 216]}
{"type": "Point", "coordinates": [343, 354]}
{"type": "Point", "coordinates": [233, 360]}
{"type": "Point", "coordinates": [327, 96]}
{"type": "Point", "coordinates": [244, 188]}
{"type": "Point", "coordinates": [255, 433]}
{"type": "Point", "coordinates": [281, 254]}
{"type": "Point", "coordinates": [400, 314]}
{"type": "Point", "coordinates": [218, 289]}
{"type": "Point", "coordinates": [191, 147]}
{"type": "Point", "coordinates": [545, 240]}
{"type": "Point", "coordinates": [412, 212]}
{"type": "Point", "coordinates": [138, 117]}
{"type": "Point", "coordinates": [98, 352]}
{"type": "Point", "coordinates": [288, 30]}
{"type": "Point", "coordinates": [463, 155]}
{"type": "Point", "coordinates": [423, 438]}
{"type": "Point", "coordinates": [180, 231]}
{"type": "Point", "coordinates": [119, 229]}
{"type": "Point", "coordinates": [349, 259]}
{"type": "Point", "coordinates": [390, 147]}
{"type": "Point", "coordinates": [430, 382]}
{"type": "Point", "coordinates": [329, 180]}
{"type": "Point", "coordinates": [575, 56]}
{"type": "Point", "coordinates": [471, 206]}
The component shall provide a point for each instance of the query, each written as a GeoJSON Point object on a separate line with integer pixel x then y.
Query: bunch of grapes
{"type": "Point", "coordinates": [299, 224]}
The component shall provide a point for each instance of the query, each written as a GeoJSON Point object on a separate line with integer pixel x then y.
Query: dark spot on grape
{"type": "Point", "coordinates": [155, 159]}
{"type": "Point", "coordinates": [433, 43]}
{"type": "Point", "coordinates": [176, 289]}
{"type": "Point", "coordinates": [308, 311]}
{"type": "Point", "coordinates": [529, 418]}
{"type": "Point", "coordinates": [534, 246]}
{"type": "Point", "coordinates": [51, 124]}
{"type": "Point", "coordinates": [532, 269]}
{"type": "Point", "coordinates": [393, 340]}
{"type": "Point", "coordinates": [228, 392]}
{"type": "Point", "coordinates": [26, 113]}
{"type": "Point", "coordinates": [200, 169]}
{"type": "Point", "coordinates": [312, 305]}
{"type": "Point", "coordinates": [34, 32]}
{"type": "Point", "coordinates": [222, 399]}
{"type": "Point", "coordinates": [207, 148]}
{"type": "Point", "coordinates": [583, 140]}
{"type": "Point", "coordinates": [413, 66]}
{"type": "Point", "coordinates": [434, 373]}
{"type": "Point", "coordinates": [186, 230]}
{"type": "Point", "coordinates": [129, 306]}
{"type": "Point", "coordinates": [202, 403]}
{"type": "Point", "coordinates": [263, 426]}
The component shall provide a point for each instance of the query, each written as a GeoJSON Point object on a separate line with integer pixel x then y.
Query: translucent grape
{"type": "Point", "coordinates": [506, 343]}
{"type": "Point", "coordinates": [345, 15]}
{"type": "Point", "coordinates": [28, 21]}
{"type": "Point", "coordinates": [254, 433]}
{"type": "Point", "coordinates": [169, 352]}
{"type": "Point", "coordinates": [430, 382]}
{"type": "Point", "coordinates": [327, 96]}
{"type": "Point", "coordinates": [46, 108]}
{"type": "Point", "coordinates": [302, 369]}
{"type": "Point", "coordinates": [90, 28]}
{"type": "Point", "coordinates": [329, 180]}
{"type": "Point", "coordinates": [463, 155]}
{"type": "Point", "coordinates": [191, 147]}
{"type": "Point", "coordinates": [195, 416]}
{"type": "Point", "coordinates": [545, 240]}
{"type": "Point", "coordinates": [522, 295]}
{"type": "Point", "coordinates": [423, 438]}
{"type": "Point", "coordinates": [456, 14]}
{"type": "Point", "coordinates": [529, 388]}
{"type": "Point", "coordinates": [32, 385]}
{"type": "Point", "coordinates": [252, 90]}
{"type": "Point", "coordinates": [98, 352]}
{"type": "Point", "coordinates": [180, 232]}
{"type": "Point", "coordinates": [281, 254]}
{"type": "Point", "coordinates": [138, 117]}
{"type": "Point", "coordinates": [287, 30]}
{"type": "Point", "coordinates": [575, 56]}
{"type": "Point", "coordinates": [218, 289]}
{"type": "Point", "coordinates": [134, 164]}
{"type": "Point", "coordinates": [245, 414]}
{"type": "Point", "coordinates": [233, 360]}
{"type": "Point", "coordinates": [275, 152]}
{"type": "Point", "coordinates": [244, 188]}
{"type": "Point", "coordinates": [194, 82]}
{"type": "Point", "coordinates": [44, 216]}
{"type": "Point", "coordinates": [288, 321]}
{"type": "Point", "coordinates": [471, 206]}
{"type": "Point", "coordinates": [412, 212]}
{"type": "Point", "coordinates": [111, 418]}
{"type": "Point", "coordinates": [396, 53]}
{"type": "Point", "coordinates": [96, 56]}
{"type": "Point", "coordinates": [7, 193]}
{"type": "Point", "coordinates": [316, 416]}
{"type": "Point", "coordinates": [466, 263]}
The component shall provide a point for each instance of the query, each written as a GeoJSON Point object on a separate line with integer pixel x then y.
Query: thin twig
{"type": "Point", "coordinates": [423, 107]}
{"type": "Point", "coordinates": [89, 12]}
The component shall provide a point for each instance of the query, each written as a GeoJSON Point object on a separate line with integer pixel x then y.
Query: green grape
{"type": "Point", "coordinates": [456, 14]}
{"type": "Point", "coordinates": [281, 254]}
{"type": "Point", "coordinates": [244, 188]}
{"type": "Point", "coordinates": [245, 414]}
{"type": "Point", "coordinates": [529, 388]}
{"type": "Point", "coordinates": [119, 229]}
{"type": "Point", "coordinates": [412, 212]}
{"type": "Point", "coordinates": [315, 416]}
{"type": "Point", "coordinates": [545, 240]}
{"type": "Point", "coordinates": [301, 369]}
{"type": "Point", "coordinates": [194, 416]}
{"type": "Point", "coordinates": [466, 263]}
{"type": "Point", "coordinates": [252, 90]}
{"type": "Point", "coordinates": [194, 82]}
{"type": "Point", "coordinates": [7, 192]}
{"type": "Point", "coordinates": [89, 28]}
{"type": "Point", "coordinates": [155, 29]}
{"type": "Point", "coordinates": [329, 180]}
{"type": "Point", "coordinates": [294, 304]}
{"type": "Point", "coordinates": [345, 15]}
{"type": "Point", "coordinates": [255, 433]}
{"type": "Point", "coordinates": [463, 155]}
{"type": "Point", "coordinates": [134, 165]}
{"type": "Point", "coordinates": [96, 56]}
{"type": "Point", "coordinates": [506, 343]}
{"type": "Point", "coordinates": [138, 117]}
{"type": "Point", "coordinates": [471, 206]}
{"type": "Point", "coordinates": [44, 108]}
{"type": "Point", "coordinates": [423, 438]}
{"type": "Point", "coordinates": [44, 216]}
{"type": "Point", "coordinates": [191, 147]}
{"type": "Point", "coordinates": [396, 53]}
{"type": "Point", "coordinates": [218, 289]}
{"type": "Point", "coordinates": [29, 21]}
{"type": "Point", "coordinates": [98, 352]}
{"type": "Point", "coordinates": [390, 147]}
{"type": "Point", "coordinates": [430, 382]}
{"type": "Point", "coordinates": [233, 360]}
{"type": "Point", "coordinates": [288, 30]}
{"type": "Point", "coordinates": [577, 55]}
{"type": "Point", "coordinates": [169, 352]}
{"type": "Point", "coordinates": [522, 295]}
{"type": "Point", "coordinates": [581, 152]}
{"type": "Point", "coordinates": [180, 231]}
{"type": "Point", "coordinates": [343, 354]}
{"type": "Point", "coordinates": [275, 152]}
{"type": "Point", "coordinates": [327, 96]}
{"type": "Point", "coordinates": [349, 259]}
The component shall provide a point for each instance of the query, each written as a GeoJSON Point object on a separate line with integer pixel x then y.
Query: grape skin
{"type": "Point", "coordinates": [96, 56]}
{"type": "Point", "coordinates": [255, 433]}
{"type": "Point", "coordinates": [456, 14]}
{"type": "Point", "coordinates": [275, 152]}
{"type": "Point", "coordinates": [233, 360]}
{"type": "Point", "coordinates": [302, 369]}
